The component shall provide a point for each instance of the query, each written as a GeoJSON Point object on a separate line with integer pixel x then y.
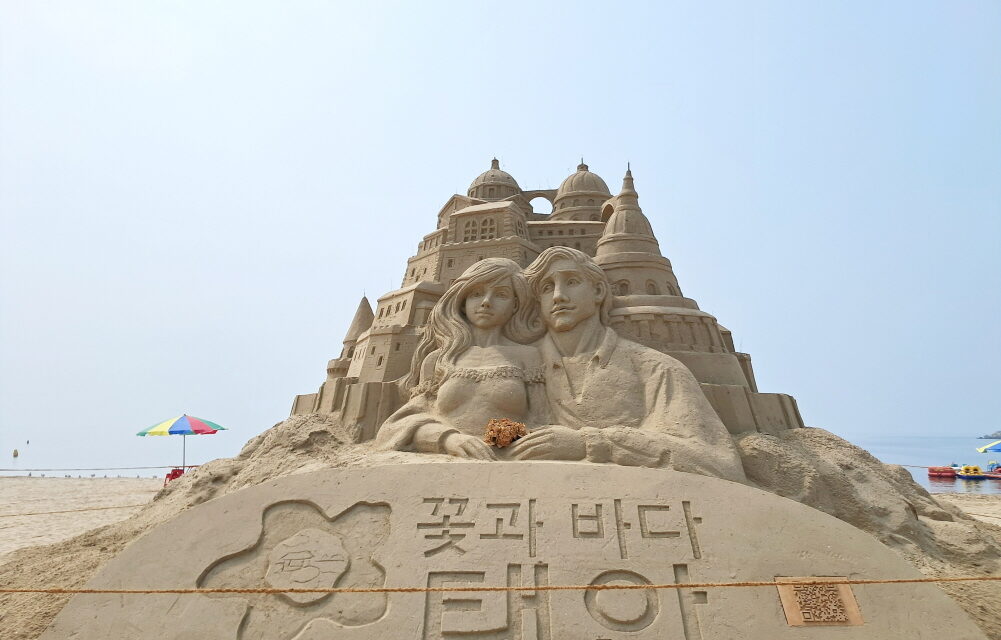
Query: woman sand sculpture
{"type": "Point", "coordinates": [473, 364]}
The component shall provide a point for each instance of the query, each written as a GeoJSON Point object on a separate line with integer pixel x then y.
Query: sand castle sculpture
{"type": "Point", "coordinates": [604, 442]}
{"type": "Point", "coordinates": [495, 219]}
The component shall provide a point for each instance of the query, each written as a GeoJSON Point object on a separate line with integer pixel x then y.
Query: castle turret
{"type": "Point", "coordinates": [580, 196]}
{"type": "Point", "coordinates": [359, 325]}
{"type": "Point", "coordinates": [338, 367]}
{"type": "Point", "coordinates": [629, 252]}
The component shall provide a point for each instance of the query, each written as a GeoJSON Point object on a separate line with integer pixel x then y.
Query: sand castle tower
{"type": "Point", "coordinates": [362, 321]}
{"type": "Point", "coordinates": [650, 308]}
{"type": "Point", "coordinates": [495, 219]}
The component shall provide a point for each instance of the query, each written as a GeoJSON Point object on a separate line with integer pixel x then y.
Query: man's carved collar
{"type": "Point", "coordinates": [551, 354]}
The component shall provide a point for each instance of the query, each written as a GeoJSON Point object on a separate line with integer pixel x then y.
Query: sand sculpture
{"type": "Point", "coordinates": [495, 219]}
{"type": "Point", "coordinates": [645, 450]}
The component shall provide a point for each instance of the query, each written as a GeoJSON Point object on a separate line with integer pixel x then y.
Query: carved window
{"type": "Point", "coordinates": [560, 232]}
{"type": "Point", "coordinates": [469, 230]}
{"type": "Point", "coordinates": [379, 364]}
{"type": "Point", "coordinates": [590, 203]}
{"type": "Point", "coordinates": [451, 262]}
{"type": "Point", "coordinates": [576, 202]}
{"type": "Point", "coordinates": [572, 232]}
{"type": "Point", "coordinates": [651, 288]}
{"type": "Point", "coordinates": [351, 352]}
{"type": "Point", "coordinates": [490, 192]}
{"type": "Point", "coordinates": [373, 351]}
{"type": "Point", "coordinates": [488, 230]}
{"type": "Point", "coordinates": [576, 245]}
{"type": "Point", "coordinates": [622, 288]}
{"type": "Point", "coordinates": [397, 346]}
{"type": "Point", "coordinates": [671, 290]}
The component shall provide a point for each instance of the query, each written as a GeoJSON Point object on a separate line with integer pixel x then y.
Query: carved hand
{"type": "Point", "coordinates": [552, 442]}
{"type": "Point", "coordinates": [465, 446]}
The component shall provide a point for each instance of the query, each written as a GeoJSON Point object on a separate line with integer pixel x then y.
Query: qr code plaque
{"type": "Point", "coordinates": [818, 604]}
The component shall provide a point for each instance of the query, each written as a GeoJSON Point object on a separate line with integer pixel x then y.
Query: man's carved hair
{"type": "Point", "coordinates": [536, 271]}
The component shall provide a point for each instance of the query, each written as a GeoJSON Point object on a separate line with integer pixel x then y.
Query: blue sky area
{"type": "Point", "coordinates": [193, 196]}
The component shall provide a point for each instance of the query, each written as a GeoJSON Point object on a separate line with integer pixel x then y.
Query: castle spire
{"type": "Point", "coordinates": [495, 164]}
{"type": "Point", "coordinates": [627, 229]}
{"type": "Point", "coordinates": [628, 197]}
{"type": "Point", "coordinates": [361, 322]}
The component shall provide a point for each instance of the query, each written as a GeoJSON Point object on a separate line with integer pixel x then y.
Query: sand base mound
{"type": "Point", "coordinates": [810, 466]}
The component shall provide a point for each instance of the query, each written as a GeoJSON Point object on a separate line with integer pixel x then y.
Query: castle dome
{"type": "Point", "coordinates": [493, 184]}
{"type": "Point", "coordinates": [580, 196]}
{"type": "Point", "coordinates": [628, 221]}
{"type": "Point", "coordinates": [582, 182]}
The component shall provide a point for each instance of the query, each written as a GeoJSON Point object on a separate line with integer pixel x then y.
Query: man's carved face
{"type": "Point", "coordinates": [568, 296]}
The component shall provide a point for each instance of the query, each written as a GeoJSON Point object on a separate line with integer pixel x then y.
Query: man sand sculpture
{"type": "Point", "coordinates": [607, 399]}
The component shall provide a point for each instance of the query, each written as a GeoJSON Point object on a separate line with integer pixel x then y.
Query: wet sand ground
{"type": "Point", "coordinates": [983, 507]}
{"type": "Point", "coordinates": [23, 495]}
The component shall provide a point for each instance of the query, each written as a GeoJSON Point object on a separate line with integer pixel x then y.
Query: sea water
{"type": "Point", "coordinates": [934, 452]}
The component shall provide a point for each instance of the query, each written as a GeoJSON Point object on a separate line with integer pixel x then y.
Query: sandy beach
{"type": "Point", "coordinates": [22, 495]}
{"type": "Point", "coordinates": [986, 508]}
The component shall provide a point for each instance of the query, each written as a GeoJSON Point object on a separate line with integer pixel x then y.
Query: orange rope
{"type": "Point", "coordinates": [172, 466]}
{"type": "Point", "coordinates": [46, 513]}
{"type": "Point", "coordinates": [576, 587]}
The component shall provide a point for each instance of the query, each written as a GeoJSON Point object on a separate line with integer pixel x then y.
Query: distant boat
{"type": "Point", "coordinates": [941, 472]}
{"type": "Point", "coordinates": [970, 472]}
{"type": "Point", "coordinates": [16, 453]}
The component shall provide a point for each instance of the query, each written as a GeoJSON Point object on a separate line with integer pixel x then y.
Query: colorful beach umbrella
{"type": "Point", "coordinates": [994, 446]}
{"type": "Point", "coordinates": [183, 425]}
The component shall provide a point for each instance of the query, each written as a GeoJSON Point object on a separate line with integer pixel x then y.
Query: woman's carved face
{"type": "Point", "coordinates": [491, 306]}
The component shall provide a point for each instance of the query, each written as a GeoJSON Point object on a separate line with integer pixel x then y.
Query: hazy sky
{"type": "Point", "coordinates": [194, 195]}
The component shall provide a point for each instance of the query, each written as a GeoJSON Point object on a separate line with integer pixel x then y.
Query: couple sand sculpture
{"type": "Point", "coordinates": [535, 346]}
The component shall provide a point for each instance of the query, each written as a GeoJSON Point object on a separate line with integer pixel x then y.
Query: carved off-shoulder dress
{"type": "Point", "coordinates": [530, 375]}
{"type": "Point", "coordinates": [415, 427]}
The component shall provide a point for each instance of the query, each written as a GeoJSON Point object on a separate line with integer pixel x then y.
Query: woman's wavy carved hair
{"type": "Point", "coordinates": [448, 328]}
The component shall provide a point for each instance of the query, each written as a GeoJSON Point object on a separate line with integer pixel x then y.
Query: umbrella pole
{"type": "Point", "coordinates": [184, 450]}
